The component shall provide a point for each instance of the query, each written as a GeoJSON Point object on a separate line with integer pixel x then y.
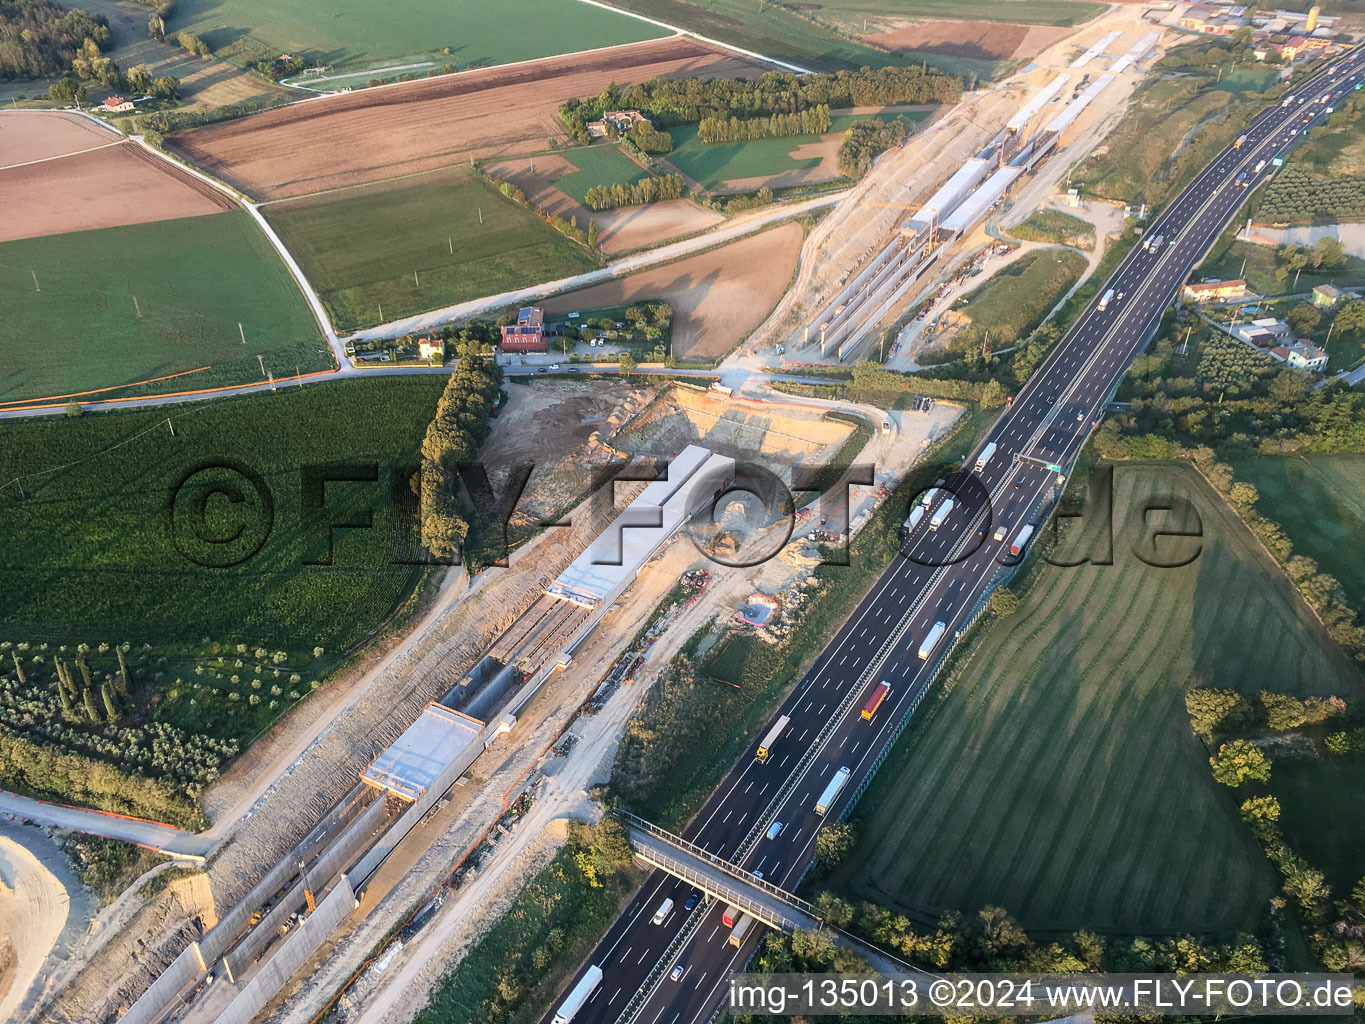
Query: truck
{"type": "Point", "coordinates": [1021, 539]}
{"type": "Point", "coordinates": [730, 916]}
{"type": "Point", "coordinates": [661, 915]}
{"type": "Point", "coordinates": [1106, 298]}
{"type": "Point", "coordinates": [931, 640]}
{"type": "Point", "coordinates": [579, 995]}
{"type": "Point", "coordinates": [1153, 244]}
{"type": "Point", "coordinates": [741, 930]}
{"type": "Point", "coordinates": [835, 787]}
{"type": "Point", "coordinates": [1242, 178]}
{"type": "Point", "coordinates": [1260, 166]}
{"type": "Point", "coordinates": [765, 749]}
{"type": "Point", "coordinates": [985, 456]}
{"type": "Point", "coordinates": [1288, 100]}
{"type": "Point", "coordinates": [941, 514]}
{"type": "Point", "coordinates": [879, 693]}
{"type": "Point", "coordinates": [912, 520]}
{"type": "Point", "coordinates": [1240, 140]}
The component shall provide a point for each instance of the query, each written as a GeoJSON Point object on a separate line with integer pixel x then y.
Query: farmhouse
{"type": "Point", "coordinates": [1301, 355]}
{"type": "Point", "coordinates": [527, 334]}
{"type": "Point", "coordinates": [117, 104]}
{"type": "Point", "coordinates": [621, 120]}
{"type": "Point", "coordinates": [1216, 291]}
{"type": "Point", "coordinates": [432, 348]}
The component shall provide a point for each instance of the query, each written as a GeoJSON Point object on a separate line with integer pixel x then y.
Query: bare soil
{"type": "Point", "coordinates": [375, 134]}
{"type": "Point", "coordinates": [825, 149]}
{"type": "Point", "coordinates": [27, 135]}
{"type": "Point", "coordinates": [718, 297]}
{"type": "Point", "coordinates": [102, 188]}
{"type": "Point", "coordinates": [982, 40]}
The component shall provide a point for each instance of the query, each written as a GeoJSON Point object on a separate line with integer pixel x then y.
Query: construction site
{"type": "Point", "coordinates": [921, 211]}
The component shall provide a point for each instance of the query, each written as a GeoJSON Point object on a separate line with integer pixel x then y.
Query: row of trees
{"type": "Point", "coordinates": [89, 65]}
{"type": "Point", "coordinates": [1213, 711]}
{"type": "Point", "coordinates": [814, 121]}
{"type": "Point", "coordinates": [1295, 195]}
{"type": "Point", "coordinates": [569, 228]}
{"type": "Point", "coordinates": [670, 102]}
{"type": "Point", "coordinates": [646, 190]}
{"type": "Point", "coordinates": [39, 39]}
{"type": "Point", "coordinates": [451, 443]}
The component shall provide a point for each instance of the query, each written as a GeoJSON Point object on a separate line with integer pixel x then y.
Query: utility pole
{"type": "Point", "coordinates": [136, 308]}
{"type": "Point", "coordinates": [1243, 272]}
{"type": "Point", "coordinates": [35, 280]}
{"type": "Point", "coordinates": [241, 331]}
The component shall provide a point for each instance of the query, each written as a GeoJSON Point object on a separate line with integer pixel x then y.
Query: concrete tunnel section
{"type": "Point", "coordinates": [287, 916]}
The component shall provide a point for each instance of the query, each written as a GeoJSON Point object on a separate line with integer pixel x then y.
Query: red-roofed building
{"type": "Point", "coordinates": [527, 334]}
{"type": "Point", "coordinates": [117, 104]}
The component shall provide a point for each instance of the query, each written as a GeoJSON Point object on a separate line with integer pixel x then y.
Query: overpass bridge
{"type": "Point", "coordinates": [721, 880]}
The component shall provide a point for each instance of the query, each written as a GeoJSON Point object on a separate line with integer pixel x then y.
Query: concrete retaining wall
{"type": "Point", "coordinates": [295, 949]}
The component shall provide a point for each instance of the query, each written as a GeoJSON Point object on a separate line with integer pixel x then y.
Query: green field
{"type": "Point", "coordinates": [1319, 501]}
{"type": "Point", "coordinates": [1059, 777]}
{"type": "Point", "coordinates": [1016, 299]}
{"type": "Point", "coordinates": [96, 547]}
{"type": "Point", "coordinates": [1256, 263]}
{"type": "Point", "coordinates": [1317, 790]}
{"type": "Point", "coordinates": [1056, 227]}
{"type": "Point", "coordinates": [848, 15]}
{"type": "Point", "coordinates": [360, 248]}
{"type": "Point", "coordinates": [116, 306]}
{"type": "Point", "coordinates": [356, 32]}
{"type": "Point", "coordinates": [603, 164]}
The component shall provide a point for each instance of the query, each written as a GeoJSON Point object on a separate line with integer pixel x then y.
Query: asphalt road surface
{"type": "Point", "coordinates": [944, 574]}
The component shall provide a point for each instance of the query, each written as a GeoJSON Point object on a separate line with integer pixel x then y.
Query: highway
{"type": "Point", "coordinates": [943, 577]}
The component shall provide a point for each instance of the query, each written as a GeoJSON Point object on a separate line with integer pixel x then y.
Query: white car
{"type": "Point", "coordinates": [676, 973]}
{"type": "Point", "coordinates": [554, 366]}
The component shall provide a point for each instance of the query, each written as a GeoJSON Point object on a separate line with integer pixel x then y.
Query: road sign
{"type": "Point", "coordinates": [1278, 162]}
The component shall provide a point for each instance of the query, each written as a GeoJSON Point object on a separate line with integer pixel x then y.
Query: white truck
{"type": "Point", "coordinates": [912, 520]}
{"type": "Point", "coordinates": [931, 640]}
{"type": "Point", "coordinates": [835, 787]}
{"type": "Point", "coordinates": [1288, 100]}
{"type": "Point", "coordinates": [765, 749]}
{"type": "Point", "coordinates": [740, 930]}
{"type": "Point", "coordinates": [580, 994]}
{"type": "Point", "coordinates": [941, 514]}
{"type": "Point", "coordinates": [661, 915]}
{"type": "Point", "coordinates": [1021, 539]}
{"type": "Point", "coordinates": [985, 456]}
{"type": "Point", "coordinates": [1153, 244]}
{"type": "Point", "coordinates": [1260, 166]}
{"type": "Point", "coordinates": [1106, 298]}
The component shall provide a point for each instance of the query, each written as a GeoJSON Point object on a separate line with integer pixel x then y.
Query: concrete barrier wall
{"type": "Point", "coordinates": [184, 969]}
{"type": "Point", "coordinates": [385, 844]}
{"type": "Point", "coordinates": [296, 949]}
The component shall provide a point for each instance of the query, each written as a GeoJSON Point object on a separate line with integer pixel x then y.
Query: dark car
{"type": "Point", "coordinates": [692, 901]}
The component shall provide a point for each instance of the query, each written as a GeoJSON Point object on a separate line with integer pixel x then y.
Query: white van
{"type": "Point", "coordinates": [661, 915]}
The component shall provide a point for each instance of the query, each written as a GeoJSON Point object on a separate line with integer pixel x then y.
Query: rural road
{"type": "Point", "coordinates": [145, 833]}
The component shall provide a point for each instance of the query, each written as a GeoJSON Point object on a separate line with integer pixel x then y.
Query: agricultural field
{"type": "Point", "coordinates": [597, 165]}
{"type": "Point", "coordinates": [91, 553]}
{"type": "Point", "coordinates": [350, 139]}
{"type": "Point", "coordinates": [849, 14]}
{"type": "Point", "coordinates": [718, 297]}
{"type": "Point", "coordinates": [965, 48]}
{"type": "Point", "coordinates": [1256, 263]}
{"type": "Point", "coordinates": [1059, 777]}
{"type": "Point", "coordinates": [396, 248]}
{"type": "Point", "coordinates": [107, 312]}
{"type": "Point", "coordinates": [1314, 790]}
{"type": "Point", "coordinates": [357, 34]}
{"type": "Point", "coordinates": [1319, 501]}
{"type": "Point", "coordinates": [1296, 197]}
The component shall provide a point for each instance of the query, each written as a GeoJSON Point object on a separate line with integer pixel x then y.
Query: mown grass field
{"type": "Point", "coordinates": [848, 14]}
{"type": "Point", "coordinates": [1018, 297]}
{"type": "Point", "coordinates": [352, 32]}
{"type": "Point", "coordinates": [1318, 811]}
{"type": "Point", "coordinates": [1319, 501]}
{"type": "Point", "coordinates": [360, 248]}
{"type": "Point", "coordinates": [1227, 263]}
{"type": "Point", "coordinates": [1055, 226]}
{"type": "Point", "coordinates": [116, 306]}
{"type": "Point", "coordinates": [98, 544]}
{"type": "Point", "coordinates": [1059, 777]}
{"type": "Point", "coordinates": [601, 164]}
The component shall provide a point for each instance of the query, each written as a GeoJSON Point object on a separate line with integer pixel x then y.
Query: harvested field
{"type": "Point", "coordinates": [977, 40]}
{"type": "Point", "coordinates": [622, 230]}
{"type": "Point", "coordinates": [27, 135]}
{"type": "Point", "coordinates": [718, 297]}
{"type": "Point", "coordinates": [372, 135]}
{"type": "Point", "coordinates": [104, 188]}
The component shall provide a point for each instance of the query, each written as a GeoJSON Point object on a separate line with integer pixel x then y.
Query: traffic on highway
{"type": "Point", "coordinates": [809, 764]}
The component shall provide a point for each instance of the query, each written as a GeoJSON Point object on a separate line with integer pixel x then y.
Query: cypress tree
{"type": "Point", "coordinates": [122, 672]}
{"type": "Point", "coordinates": [18, 669]}
{"type": "Point", "coordinates": [85, 670]}
{"type": "Point", "coordinates": [110, 706]}
{"type": "Point", "coordinates": [88, 696]}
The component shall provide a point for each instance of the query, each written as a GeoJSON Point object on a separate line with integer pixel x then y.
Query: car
{"type": "Point", "coordinates": [543, 370]}
{"type": "Point", "coordinates": [1051, 399]}
{"type": "Point", "coordinates": [774, 829]}
{"type": "Point", "coordinates": [1119, 297]}
{"type": "Point", "coordinates": [1080, 416]}
{"type": "Point", "coordinates": [1018, 482]}
{"type": "Point", "coordinates": [692, 901]}
{"type": "Point", "coordinates": [554, 366]}
{"type": "Point", "coordinates": [758, 874]}
{"type": "Point", "coordinates": [676, 973]}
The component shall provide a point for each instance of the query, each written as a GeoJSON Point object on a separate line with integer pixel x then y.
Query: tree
{"type": "Point", "coordinates": [832, 844]}
{"type": "Point", "coordinates": [1212, 709]}
{"type": "Point", "coordinates": [1282, 711]}
{"type": "Point", "coordinates": [592, 233]}
{"type": "Point", "coordinates": [166, 88]}
{"type": "Point", "coordinates": [1351, 316]}
{"type": "Point", "coordinates": [139, 78]}
{"type": "Point", "coordinates": [1262, 814]}
{"type": "Point", "coordinates": [627, 362]}
{"type": "Point", "coordinates": [1328, 253]}
{"type": "Point", "coordinates": [1004, 602]}
{"type": "Point", "coordinates": [1238, 762]}
{"type": "Point", "coordinates": [66, 90]}
{"type": "Point", "coordinates": [1304, 317]}
{"type": "Point", "coordinates": [611, 847]}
